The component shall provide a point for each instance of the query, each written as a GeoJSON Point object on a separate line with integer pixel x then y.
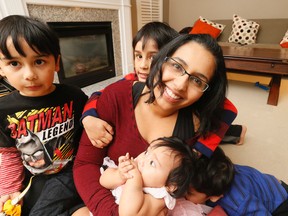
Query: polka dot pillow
{"type": "Point", "coordinates": [243, 31]}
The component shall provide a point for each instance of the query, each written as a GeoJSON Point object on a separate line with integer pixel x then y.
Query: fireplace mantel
{"type": "Point", "coordinates": [123, 7]}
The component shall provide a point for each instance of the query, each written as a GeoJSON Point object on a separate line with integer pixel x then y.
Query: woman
{"type": "Point", "coordinates": [146, 44]}
{"type": "Point", "coordinates": [184, 96]}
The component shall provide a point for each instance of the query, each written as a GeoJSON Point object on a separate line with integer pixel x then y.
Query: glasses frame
{"type": "Point", "coordinates": [189, 75]}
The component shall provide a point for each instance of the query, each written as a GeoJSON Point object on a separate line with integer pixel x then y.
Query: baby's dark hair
{"type": "Point", "coordinates": [213, 176]}
{"type": "Point", "coordinates": [179, 176]}
{"type": "Point", "coordinates": [38, 35]}
{"type": "Point", "coordinates": [160, 32]}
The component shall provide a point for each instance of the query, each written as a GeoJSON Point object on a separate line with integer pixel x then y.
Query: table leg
{"type": "Point", "coordinates": [274, 90]}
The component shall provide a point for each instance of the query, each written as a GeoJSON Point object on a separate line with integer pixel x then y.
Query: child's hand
{"type": "Point", "coordinates": [124, 166]}
{"type": "Point", "coordinates": [3, 199]}
{"type": "Point", "coordinates": [98, 131]}
{"type": "Point", "coordinates": [6, 197]}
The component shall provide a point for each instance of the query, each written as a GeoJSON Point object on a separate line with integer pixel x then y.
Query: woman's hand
{"type": "Point", "coordinates": [98, 131]}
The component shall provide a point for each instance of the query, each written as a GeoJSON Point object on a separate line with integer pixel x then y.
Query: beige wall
{"type": "Point", "coordinates": [134, 14]}
{"type": "Point", "coordinates": [166, 10]}
{"type": "Point", "coordinates": [134, 17]}
{"type": "Point", "coordinates": [185, 12]}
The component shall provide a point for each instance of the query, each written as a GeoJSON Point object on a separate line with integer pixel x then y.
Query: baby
{"type": "Point", "coordinates": [162, 171]}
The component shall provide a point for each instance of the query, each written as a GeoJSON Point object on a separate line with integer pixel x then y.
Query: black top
{"type": "Point", "coordinates": [45, 127]}
{"type": "Point", "coordinates": [184, 128]}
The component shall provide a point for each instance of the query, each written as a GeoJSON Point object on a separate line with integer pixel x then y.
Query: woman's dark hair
{"type": "Point", "coordinates": [38, 35]}
{"type": "Point", "coordinates": [179, 176]}
{"type": "Point", "coordinates": [209, 107]}
{"type": "Point", "coordinates": [160, 32]}
{"type": "Point", "coordinates": [213, 176]}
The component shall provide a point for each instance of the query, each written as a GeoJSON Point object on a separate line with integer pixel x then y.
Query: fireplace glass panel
{"type": "Point", "coordinates": [76, 60]}
{"type": "Point", "coordinates": [86, 52]}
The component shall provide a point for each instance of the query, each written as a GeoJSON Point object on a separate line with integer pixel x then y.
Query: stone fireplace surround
{"type": "Point", "coordinates": [118, 12]}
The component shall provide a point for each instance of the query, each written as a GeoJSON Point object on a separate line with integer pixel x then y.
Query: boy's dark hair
{"type": "Point", "coordinates": [38, 35]}
{"type": "Point", "coordinates": [185, 30]}
{"type": "Point", "coordinates": [180, 175]}
{"type": "Point", "coordinates": [213, 176]}
{"type": "Point", "coordinates": [160, 32]}
{"type": "Point", "coordinates": [209, 107]}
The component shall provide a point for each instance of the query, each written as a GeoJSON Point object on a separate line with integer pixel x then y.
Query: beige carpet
{"type": "Point", "coordinates": [266, 143]}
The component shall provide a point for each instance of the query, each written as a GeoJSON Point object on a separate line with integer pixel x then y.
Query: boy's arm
{"type": "Point", "coordinates": [11, 174]}
{"type": "Point", "coordinates": [208, 144]}
{"type": "Point", "coordinates": [99, 132]}
{"type": "Point", "coordinates": [90, 108]}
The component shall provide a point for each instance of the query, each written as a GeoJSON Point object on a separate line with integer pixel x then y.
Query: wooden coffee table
{"type": "Point", "coordinates": [259, 61]}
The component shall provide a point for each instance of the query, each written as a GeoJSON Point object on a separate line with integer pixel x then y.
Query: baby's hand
{"type": "Point", "coordinates": [6, 197]}
{"type": "Point", "coordinates": [124, 166]}
{"type": "Point", "coordinates": [135, 171]}
{"type": "Point", "coordinates": [98, 131]}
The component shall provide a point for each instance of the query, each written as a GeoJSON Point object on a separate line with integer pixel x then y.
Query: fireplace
{"type": "Point", "coordinates": [86, 52]}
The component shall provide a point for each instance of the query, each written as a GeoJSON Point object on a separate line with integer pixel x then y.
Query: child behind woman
{"type": "Point", "coordinates": [146, 44]}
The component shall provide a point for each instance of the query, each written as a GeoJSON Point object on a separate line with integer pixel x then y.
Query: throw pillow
{"type": "Point", "coordinates": [284, 41]}
{"type": "Point", "coordinates": [214, 24]}
{"type": "Point", "coordinates": [204, 28]}
{"type": "Point", "coordinates": [243, 31]}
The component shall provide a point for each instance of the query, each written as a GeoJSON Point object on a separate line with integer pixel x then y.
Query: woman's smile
{"type": "Point", "coordinates": [170, 95]}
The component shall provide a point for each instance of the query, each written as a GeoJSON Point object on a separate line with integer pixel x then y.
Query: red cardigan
{"type": "Point", "coordinates": [116, 107]}
{"type": "Point", "coordinates": [205, 146]}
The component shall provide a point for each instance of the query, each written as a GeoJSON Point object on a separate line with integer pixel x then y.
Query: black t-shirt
{"type": "Point", "coordinates": [45, 129]}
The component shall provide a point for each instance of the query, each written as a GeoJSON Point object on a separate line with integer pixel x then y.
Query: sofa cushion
{"type": "Point", "coordinates": [243, 31]}
{"type": "Point", "coordinates": [256, 45]}
{"type": "Point", "coordinates": [284, 41]}
{"type": "Point", "coordinates": [201, 27]}
{"type": "Point", "coordinates": [214, 24]}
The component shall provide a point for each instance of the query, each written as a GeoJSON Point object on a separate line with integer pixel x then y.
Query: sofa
{"type": "Point", "coordinates": [264, 57]}
{"type": "Point", "coordinates": [269, 35]}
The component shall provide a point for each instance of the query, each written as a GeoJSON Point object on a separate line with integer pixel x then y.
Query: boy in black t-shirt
{"type": "Point", "coordinates": [39, 123]}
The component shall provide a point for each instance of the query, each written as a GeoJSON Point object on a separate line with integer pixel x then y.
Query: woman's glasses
{"type": "Point", "coordinates": [175, 67]}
